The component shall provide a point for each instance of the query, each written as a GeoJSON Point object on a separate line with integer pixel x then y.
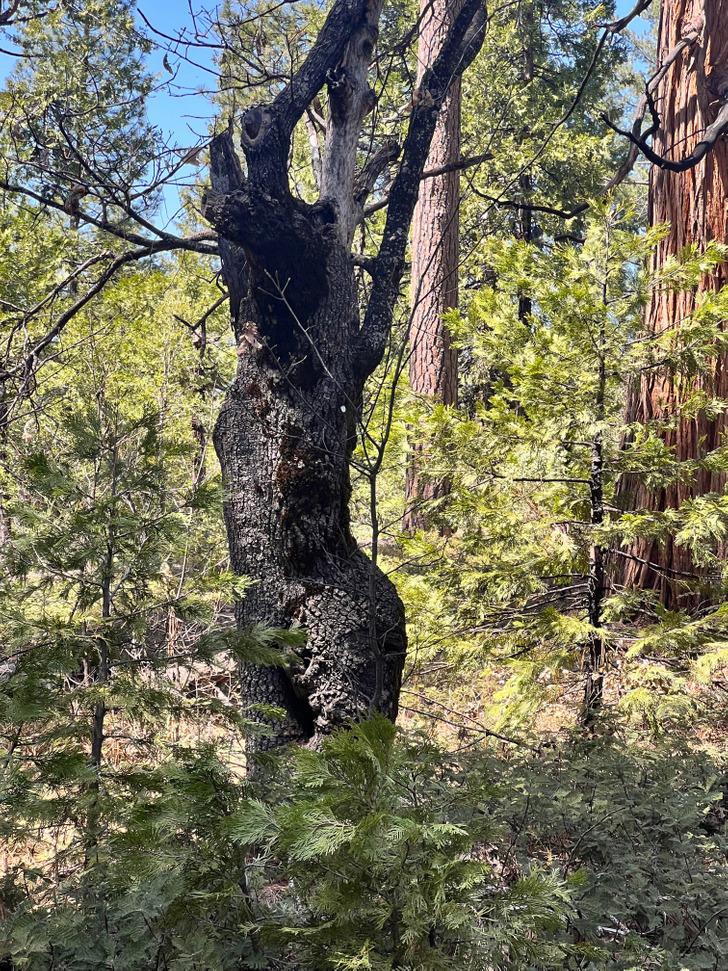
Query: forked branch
{"type": "Point", "coordinates": [639, 138]}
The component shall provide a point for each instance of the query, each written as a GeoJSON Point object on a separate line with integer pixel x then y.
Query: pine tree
{"type": "Point", "coordinates": [524, 581]}
{"type": "Point", "coordinates": [435, 260]}
{"type": "Point", "coordinates": [80, 132]}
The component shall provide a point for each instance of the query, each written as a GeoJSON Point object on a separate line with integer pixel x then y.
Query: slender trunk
{"type": "Point", "coordinates": [101, 675]}
{"type": "Point", "coordinates": [596, 589]}
{"type": "Point", "coordinates": [525, 232]}
{"type": "Point", "coordinates": [198, 333]}
{"type": "Point", "coordinates": [103, 670]}
{"type": "Point", "coordinates": [435, 258]}
{"type": "Point", "coordinates": [4, 433]}
{"type": "Point", "coordinates": [525, 221]}
{"type": "Point", "coordinates": [594, 686]}
{"type": "Point", "coordinates": [695, 204]}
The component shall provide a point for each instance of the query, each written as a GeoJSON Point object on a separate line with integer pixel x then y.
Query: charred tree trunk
{"type": "Point", "coordinates": [287, 430]}
{"type": "Point", "coordinates": [695, 204]}
{"type": "Point", "coordinates": [285, 438]}
{"type": "Point", "coordinates": [435, 258]}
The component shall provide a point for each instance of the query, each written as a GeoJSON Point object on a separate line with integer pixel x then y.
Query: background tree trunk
{"type": "Point", "coordinates": [435, 257]}
{"type": "Point", "coordinates": [695, 204]}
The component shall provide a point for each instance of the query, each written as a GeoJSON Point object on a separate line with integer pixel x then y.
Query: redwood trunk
{"type": "Point", "coordinates": [435, 257]}
{"type": "Point", "coordinates": [695, 204]}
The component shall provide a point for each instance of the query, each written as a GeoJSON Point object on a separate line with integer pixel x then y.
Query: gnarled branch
{"type": "Point", "coordinates": [713, 133]}
{"type": "Point", "coordinates": [638, 138]}
{"type": "Point", "coordinates": [267, 129]}
{"type": "Point", "coordinates": [350, 99]}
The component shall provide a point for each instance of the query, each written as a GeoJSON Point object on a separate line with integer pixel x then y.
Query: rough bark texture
{"type": "Point", "coordinates": [285, 437]}
{"type": "Point", "coordinates": [287, 429]}
{"type": "Point", "coordinates": [695, 204]}
{"type": "Point", "coordinates": [435, 258]}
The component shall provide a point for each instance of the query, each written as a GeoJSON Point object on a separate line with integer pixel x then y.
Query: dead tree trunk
{"type": "Point", "coordinates": [435, 257]}
{"type": "Point", "coordinates": [289, 424]}
{"type": "Point", "coordinates": [695, 204]}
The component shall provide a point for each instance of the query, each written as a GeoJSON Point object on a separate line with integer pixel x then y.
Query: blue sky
{"type": "Point", "coordinates": [178, 111]}
{"type": "Point", "coordinates": [180, 108]}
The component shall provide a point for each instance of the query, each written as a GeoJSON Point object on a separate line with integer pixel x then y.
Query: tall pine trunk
{"type": "Point", "coordinates": [695, 204]}
{"type": "Point", "coordinates": [435, 257]}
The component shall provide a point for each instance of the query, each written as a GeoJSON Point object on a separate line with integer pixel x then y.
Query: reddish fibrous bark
{"type": "Point", "coordinates": [695, 205]}
{"type": "Point", "coordinates": [435, 257]}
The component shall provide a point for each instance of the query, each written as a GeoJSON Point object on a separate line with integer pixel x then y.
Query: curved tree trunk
{"type": "Point", "coordinates": [285, 437]}
{"type": "Point", "coordinates": [695, 204]}
{"type": "Point", "coordinates": [435, 257]}
{"type": "Point", "coordinates": [287, 430]}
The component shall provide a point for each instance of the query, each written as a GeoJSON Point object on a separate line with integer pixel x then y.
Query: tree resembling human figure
{"type": "Point", "coordinates": [688, 191]}
{"type": "Point", "coordinates": [287, 430]}
{"type": "Point", "coordinates": [435, 256]}
{"type": "Point", "coordinates": [309, 331]}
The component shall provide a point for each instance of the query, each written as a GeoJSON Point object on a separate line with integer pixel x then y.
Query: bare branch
{"type": "Point", "coordinates": [198, 242]}
{"type": "Point", "coordinates": [608, 31]}
{"type": "Point", "coordinates": [109, 273]}
{"type": "Point", "coordinates": [267, 129]}
{"type": "Point", "coordinates": [327, 50]}
{"type": "Point", "coordinates": [638, 138]}
{"type": "Point", "coordinates": [27, 315]}
{"type": "Point", "coordinates": [350, 100]}
{"type": "Point", "coordinates": [618, 25]}
{"type": "Point", "coordinates": [6, 16]}
{"type": "Point", "coordinates": [713, 133]}
{"type": "Point", "coordinates": [466, 162]}
{"type": "Point", "coordinates": [313, 141]}
{"type": "Point", "coordinates": [533, 207]}
{"type": "Point", "coordinates": [366, 180]}
{"type": "Point", "coordinates": [13, 14]}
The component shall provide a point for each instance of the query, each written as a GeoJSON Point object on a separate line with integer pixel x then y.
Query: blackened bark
{"type": "Point", "coordinates": [285, 438]}
{"type": "Point", "coordinates": [287, 430]}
